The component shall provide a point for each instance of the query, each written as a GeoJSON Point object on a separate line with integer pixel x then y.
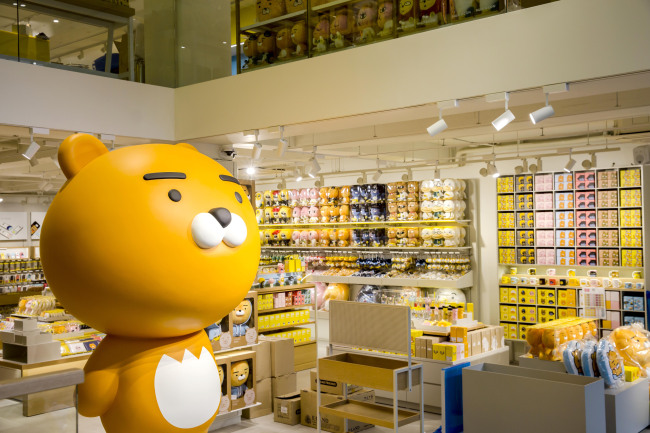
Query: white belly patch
{"type": "Point", "coordinates": [188, 392]}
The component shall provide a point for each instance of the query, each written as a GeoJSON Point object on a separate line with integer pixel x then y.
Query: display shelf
{"type": "Point", "coordinates": [276, 289]}
{"type": "Point", "coordinates": [304, 343]}
{"type": "Point", "coordinates": [463, 282]}
{"type": "Point", "coordinates": [290, 307]}
{"type": "Point", "coordinates": [13, 298]}
{"type": "Point", "coordinates": [383, 249]}
{"type": "Point", "coordinates": [232, 349]}
{"type": "Point", "coordinates": [329, 5]}
{"type": "Point", "coordinates": [365, 223]}
{"type": "Point", "coordinates": [371, 413]}
{"type": "Point", "coordinates": [263, 24]}
{"type": "Point", "coordinates": [603, 268]}
{"type": "Point", "coordinates": [276, 328]}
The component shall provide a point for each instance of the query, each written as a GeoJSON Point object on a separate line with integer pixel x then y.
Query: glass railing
{"type": "Point", "coordinates": [271, 32]}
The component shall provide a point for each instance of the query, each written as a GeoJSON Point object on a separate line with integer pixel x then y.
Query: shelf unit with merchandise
{"type": "Point", "coordinates": [288, 309]}
{"type": "Point", "coordinates": [586, 223]}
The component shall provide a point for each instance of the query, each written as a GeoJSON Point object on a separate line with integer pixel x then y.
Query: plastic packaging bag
{"type": "Point", "coordinates": [610, 364]}
{"type": "Point", "coordinates": [589, 365]}
{"type": "Point", "coordinates": [572, 357]}
{"type": "Point", "coordinates": [369, 294]}
{"type": "Point", "coordinates": [633, 344]}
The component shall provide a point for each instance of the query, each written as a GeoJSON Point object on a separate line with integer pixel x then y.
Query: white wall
{"type": "Point", "coordinates": [564, 41]}
{"type": "Point", "coordinates": [483, 199]}
{"type": "Point", "coordinates": [56, 99]}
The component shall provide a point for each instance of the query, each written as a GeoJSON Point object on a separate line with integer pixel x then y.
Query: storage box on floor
{"type": "Point", "coordinates": [275, 375]}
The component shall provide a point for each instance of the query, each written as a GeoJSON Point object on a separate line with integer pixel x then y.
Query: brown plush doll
{"type": "Point", "coordinates": [266, 47]}
{"type": "Point", "coordinates": [341, 27]}
{"type": "Point", "coordinates": [283, 43]}
{"type": "Point", "coordinates": [406, 15]}
{"type": "Point", "coordinates": [295, 5]}
{"type": "Point", "coordinates": [299, 38]}
{"type": "Point", "coordinates": [250, 51]}
{"type": "Point", "coordinates": [269, 9]}
{"type": "Point", "coordinates": [385, 18]}
{"type": "Point", "coordinates": [365, 22]}
{"type": "Point", "coordinates": [432, 12]}
{"type": "Point", "coordinates": [321, 34]}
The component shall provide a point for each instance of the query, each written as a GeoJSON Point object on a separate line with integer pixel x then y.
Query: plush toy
{"type": "Point", "coordinates": [413, 190]}
{"type": "Point", "coordinates": [633, 345]}
{"type": "Point", "coordinates": [259, 216]}
{"type": "Point", "coordinates": [295, 238]}
{"type": "Point", "coordinates": [451, 236]}
{"type": "Point", "coordinates": [377, 237]}
{"type": "Point", "coordinates": [334, 237]}
{"type": "Point", "coordinates": [241, 316]}
{"type": "Point", "coordinates": [355, 194]}
{"type": "Point", "coordinates": [377, 213]}
{"type": "Point", "coordinates": [325, 214]}
{"type": "Point", "coordinates": [588, 359]}
{"type": "Point", "coordinates": [238, 378]}
{"type": "Point", "coordinates": [295, 215]}
{"type": "Point", "coordinates": [406, 15]}
{"type": "Point", "coordinates": [294, 197]}
{"type": "Point", "coordinates": [294, 5]}
{"type": "Point", "coordinates": [391, 234]}
{"type": "Point", "coordinates": [459, 9]}
{"type": "Point", "coordinates": [572, 357]}
{"type": "Point", "coordinates": [335, 292]}
{"type": "Point", "coordinates": [432, 12]}
{"type": "Point", "coordinates": [402, 236]}
{"type": "Point", "coordinates": [392, 211]}
{"type": "Point", "coordinates": [552, 339]}
{"type": "Point", "coordinates": [284, 197]}
{"type": "Point", "coordinates": [413, 237]}
{"type": "Point", "coordinates": [268, 215]}
{"type": "Point", "coordinates": [402, 192]}
{"type": "Point", "coordinates": [344, 211]}
{"type": "Point", "coordinates": [437, 237]}
{"type": "Point", "coordinates": [268, 236]}
{"type": "Point", "coordinates": [426, 210]}
{"type": "Point", "coordinates": [283, 43]}
{"type": "Point", "coordinates": [259, 200]}
{"type": "Point", "coordinates": [385, 18]}
{"type": "Point", "coordinates": [313, 238]}
{"type": "Point", "coordinates": [321, 34]}
{"type": "Point", "coordinates": [269, 9]}
{"type": "Point", "coordinates": [155, 361]}
{"type": "Point", "coordinates": [341, 28]}
{"type": "Point", "coordinates": [610, 364]}
{"type": "Point", "coordinates": [285, 237]}
{"type": "Point", "coordinates": [413, 208]}
{"type": "Point", "coordinates": [322, 194]}
{"type": "Point", "coordinates": [365, 22]}
{"type": "Point", "coordinates": [364, 213]}
{"type": "Point", "coordinates": [427, 237]}
{"type": "Point", "coordinates": [437, 209]}
{"type": "Point", "coordinates": [314, 214]}
{"type": "Point", "coordinates": [391, 192]}
{"type": "Point", "coordinates": [304, 197]}
{"type": "Point", "coordinates": [402, 211]}
{"type": "Point", "coordinates": [332, 195]}
{"type": "Point", "coordinates": [426, 189]}
{"type": "Point", "coordinates": [304, 238]}
{"type": "Point", "coordinates": [324, 237]}
{"type": "Point", "coordinates": [266, 48]}
{"type": "Point", "coordinates": [355, 237]}
{"type": "Point", "coordinates": [268, 198]}
{"type": "Point", "coordinates": [335, 212]}
{"type": "Point", "coordinates": [313, 196]}
{"type": "Point", "coordinates": [299, 38]}
{"type": "Point", "coordinates": [250, 51]}
{"type": "Point", "coordinates": [343, 236]}
{"type": "Point", "coordinates": [285, 215]}
{"type": "Point", "coordinates": [449, 296]}
{"type": "Point", "coordinates": [365, 237]}
{"type": "Point", "coordinates": [275, 218]}
{"type": "Point", "coordinates": [344, 195]}
{"type": "Point", "coordinates": [304, 215]}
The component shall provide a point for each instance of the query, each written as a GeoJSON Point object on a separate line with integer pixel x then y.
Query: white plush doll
{"type": "Point", "coordinates": [437, 238]}
{"type": "Point", "coordinates": [426, 188]}
{"type": "Point", "coordinates": [455, 296]}
{"type": "Point", "coordinates": [437, 210]}
{"type": "Point", "coordinates": [426, 210]}
{"type": "Point", "coordinates": [427, 237]}
{"type": "Point", "coordinates": [449, 185]}
{"type": "Point", "coordinates": [437, 188]}
{"type": "Point", "coordinates": [451, 235]}
{"type": "Point", "coordinates": [448, 208]}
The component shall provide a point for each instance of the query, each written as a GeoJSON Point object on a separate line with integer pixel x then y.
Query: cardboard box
{"type": "Point", "coordinates": [286, 409]}
{"type": "Point", "coordinates": [263, 360]}
{"type": "Point", "coordinates": [242, 395]}
{"type": "Point", "coordinates": [223, 363]}
{"type": "Point", "coordinates": [264, 395]}
{"type": "Point", "coordinates": [220, 334]}
{"type": "Point", "coordinates": [244, 321]}
{"type": "Point", "coordinates": [283, 385]}
{"type": "Point", "coordinates": [330, 386]}
{"type": "Point", "coordinates": [281, 356]}
{"type": "Point", "coordinates": [305, 356]}
{"type": "Point", "coordinates": [308, 401]}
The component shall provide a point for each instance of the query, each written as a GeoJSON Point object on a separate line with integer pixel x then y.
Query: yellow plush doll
{"type": "Point", "coordinates": [633, 345]}
{"type": "Point", "coordinates": [238, 378]}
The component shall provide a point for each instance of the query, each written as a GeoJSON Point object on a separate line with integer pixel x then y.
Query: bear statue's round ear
{"type": "Point", "coordinates": [77, 151]}
{"type": "Point", "coordinates": [187, 146]}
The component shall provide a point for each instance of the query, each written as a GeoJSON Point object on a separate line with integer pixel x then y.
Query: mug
{"type": "Point", "coordinates": [613, 274]}
{"type": "Point", "coordinates": [514, 280]}
{"type": "Point", "coordinates": [616, 283]}
{"type": "Point", "coordinates": [563, 281]}
{"type": "Point", "coordinates": [552, 281]}
{"type": "Point", "coordinates": [628, 285]}
{"type": "Point", "coordinates": [523, 280]}
{"type": "Point", "coordinates": [637, 275]}
{"type": "Point", "coordinates": [592, 273]}
{"type": "Point", "coordinates": [532, 271]}
{"type": "Point", "coordinates": [639, 286]}
{"type": "Point", "coordinates": [550, 272]}
{"type": "Point", "coordinates": [505, 279]}
{"type": "Point", "coordinates": [542, 281]}
{"type": "Point", "coordinates": [594, 282]}
{"type": "Point", "coordinates": [571, 273]}
{"type": "Point", "coordinates": [574, 282]}
{"type": "Point", "coordinates": [534, 281]}
{"type": "Point", "coordinates": [513, 271]}
{"type": "Point", "coordinates": [584, 282]}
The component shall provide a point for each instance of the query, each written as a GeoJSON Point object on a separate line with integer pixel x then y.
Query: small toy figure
{"type": "Point", "coordinates": [344, 195]}
{"type": "Point", "coordinates": [240, 318]}
{"type": "Point", "coordinates": [344, 216]}
{"type": "Point", "coordinates": [335, 212]}
{"type": "Point", "coordinates": [402, 236]}
{"type": "Point", "coordinates": [285, 215]}
{"type": "Point", "coordinates": [392, 211]}
{"type": "Point", "coordinates": [324, 238]}
{"type": "Point", "coordinates": [295, 215]}
{"type": "Point", "coordinates": [269, 9]}
{"type": "Point", "coordinates": [325, 214]}
{"type": "Point", "coordinates": [413, 237]}
{"type": "Point", "coordinates": [299, 38]}
{"type": "Point", "coordinates": [250, 51]}
{"type": "Point", "coordinates": [320, 34]}
{"type": "Point", "coordinates": [365, 22]}
{"type": "Point", "coordinates": [413, 208]}
{"type": "Point", "coordinates": [343, 236]}
{"type": "Point", "coordinates": [313, 238]}
{"type": "Point", "coordinates": [314, 214]}
{"type": "Point", "coordinates": [406, 15]}
{"type": "Point", "coordinates": [294, 5]}
{"type": "Point", "coordinates": [304, 215]}
{"type": "Point", "coordinates": [284, 44]}
{"type": "Point", "coordinates": [340, 28]}
{"type": "Point", "coordinates": [266, 48]}
{"type": "Point", "coordinates": [304, 238]}
{"type": "Point", "coordinates": [238, 378]}
{"type": "Point", "coordinates": [385, 18]}
{"type": "Point", "coordinates": [432, 12]}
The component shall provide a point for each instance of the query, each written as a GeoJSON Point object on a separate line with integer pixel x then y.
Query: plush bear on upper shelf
{"type": "Point", "coordinates": [321, 34]}
{"type": "Point", "coordinates": [266, 48]}
{"type": "Point", "coordinates": [299, 38]}
{"type": "Point", "coordinates": [250, 51]}
{"type": "Point", "coordinates": [341, 25]}
{"type": "Point", "coordinates": [238, 378]}
{"type": "Point", "coordinates": [295, 5]}
{"type": "Point", "coordinates": [406, 15]}
{"type": "Point", "coordinates": [269, 9]}
{"type": "Point", "coordinates": [365, 22]}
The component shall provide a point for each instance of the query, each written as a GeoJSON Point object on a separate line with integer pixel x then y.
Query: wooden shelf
{"type": "Point", "coordinates": [274, 20]}
{"type": "Point", "coordinates": [365, 223]}
{"type": "Point", "coordinates": [277, 289]}
{"type": "Point", "coordinates": [463, 282]}
{"type": "Point", "coordinates": [304, 343]}
{"type": "Point", "coordinates": [382, 249]}
{"type": "Point", "coordinates": [370, 413]}
{"type": "Point", "coordinates": [290, 307]}
{"type": "Point", "coordinates": [276, 328]}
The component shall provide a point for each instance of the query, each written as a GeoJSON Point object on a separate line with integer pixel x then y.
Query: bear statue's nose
{"type": "Point", "coordinates": [222, 215]}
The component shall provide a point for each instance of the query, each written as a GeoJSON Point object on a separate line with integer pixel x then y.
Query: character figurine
{"type": "Point", "coordinates": [238, 379]}
{"type": "Point", "coordinates": [241, 316]}
{"type": "Point", "coordinates": [365, 22]}
{"type": "Point", "coordinates": [385, 18]}
{"type": "Point", "coordinates": [112, 244]}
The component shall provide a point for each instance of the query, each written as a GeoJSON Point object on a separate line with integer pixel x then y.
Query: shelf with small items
{"type": "Point", "coordinates": [277, 328]}
{"type": "Point", "coordinates": [265, 25]}
{"type": "Point", "coordinates": [465, 281]}
{"type": "Point", "coordinates": [275, 289]}
{"type": "Point", "coordinates": [287, 308]}
{"type": "Point", "coordinates": [368, 249]}
{"type": "Point", "coordinates": [353, 224]}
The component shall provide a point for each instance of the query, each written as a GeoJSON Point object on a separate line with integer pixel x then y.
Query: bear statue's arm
{"type": "Point", "coordinates": [98, 391]}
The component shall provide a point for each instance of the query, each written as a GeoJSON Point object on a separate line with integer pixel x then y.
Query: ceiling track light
{"type": "Point", "coordinates": [377, 175]}
{"type": "Point", "coordinates": [436, 172]}
{"type": "Point", "coordinates": [570, 164]}
{"type": "Point", "coordinates": [250, 170]}
{"type": "Point", "coordinates": [257, 146]}
{"type": "Point", "coordinates": [441, 125]}
{"type": "Point", "coordinates": [315, 167]}
{"type": "Point", "coordinates": [484, 170]}
{"type": "Point", "coordinates": [283, 143]}
{"type": "Point", "coordinates": [31, 150]}
{"type": "Point", "coordinates": [547, 110]}
{"type": "Point", "coordinates": [408, 175]}
{"type": "Point", "coordinates": [503, 120]}
{"type": "Point", "coordinates": [300, 176]}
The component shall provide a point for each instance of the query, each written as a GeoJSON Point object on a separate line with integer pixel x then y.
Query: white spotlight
{"type": "Point", "coordinates": [1, 199]}
{"type": "Point", "coordinates": [405, 177]}
{"type": "Point", "coordinates": [360, 180]}
{"type": "Point", "coordinates": [300, 176]}
{"type": "Point", "coordinates": [31, 150]}
{"type": "Point", "coordinates": [315, 166]}
{"type": "Point", "coordinates": [542, 114]}
{"type": "Point", "coordinates": [250, 170]}
{"type": "Point", "coordinates": [437, 127]}
{"type": "Point", "coordinates": [483, 171]}
{"type": "Point", "coordinates": [492, 170]}
{"type": "Point", "coordinates": [282, 146]}
{"type": "Point", "coordinates": [533, 168]}
{"type": "Point", "coordinates": [377, 175]}
{"type": "Point", "coordinates": [569, 165]}
{"type": "Point", "coordinates": [502, 121]}
{"type": "Point", "coordinates": [257, 150]}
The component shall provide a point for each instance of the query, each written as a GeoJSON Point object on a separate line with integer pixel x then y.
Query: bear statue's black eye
{"type": "Point", "coordinates": [174, 195]}
{"type": "Point", "coordinates": [238, 197]}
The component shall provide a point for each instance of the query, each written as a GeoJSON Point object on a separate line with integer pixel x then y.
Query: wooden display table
{"type": "Point", "coordinates": [46, 401]}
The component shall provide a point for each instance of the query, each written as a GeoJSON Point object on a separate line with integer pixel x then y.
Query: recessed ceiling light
{"type": "Point", "coordinates": [55, 21]}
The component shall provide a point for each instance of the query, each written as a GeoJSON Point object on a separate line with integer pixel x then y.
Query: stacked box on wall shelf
{"type": "Point", "coordinates": [286, 312]}
{"type": "Point", "coordinates": [561, 232]}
